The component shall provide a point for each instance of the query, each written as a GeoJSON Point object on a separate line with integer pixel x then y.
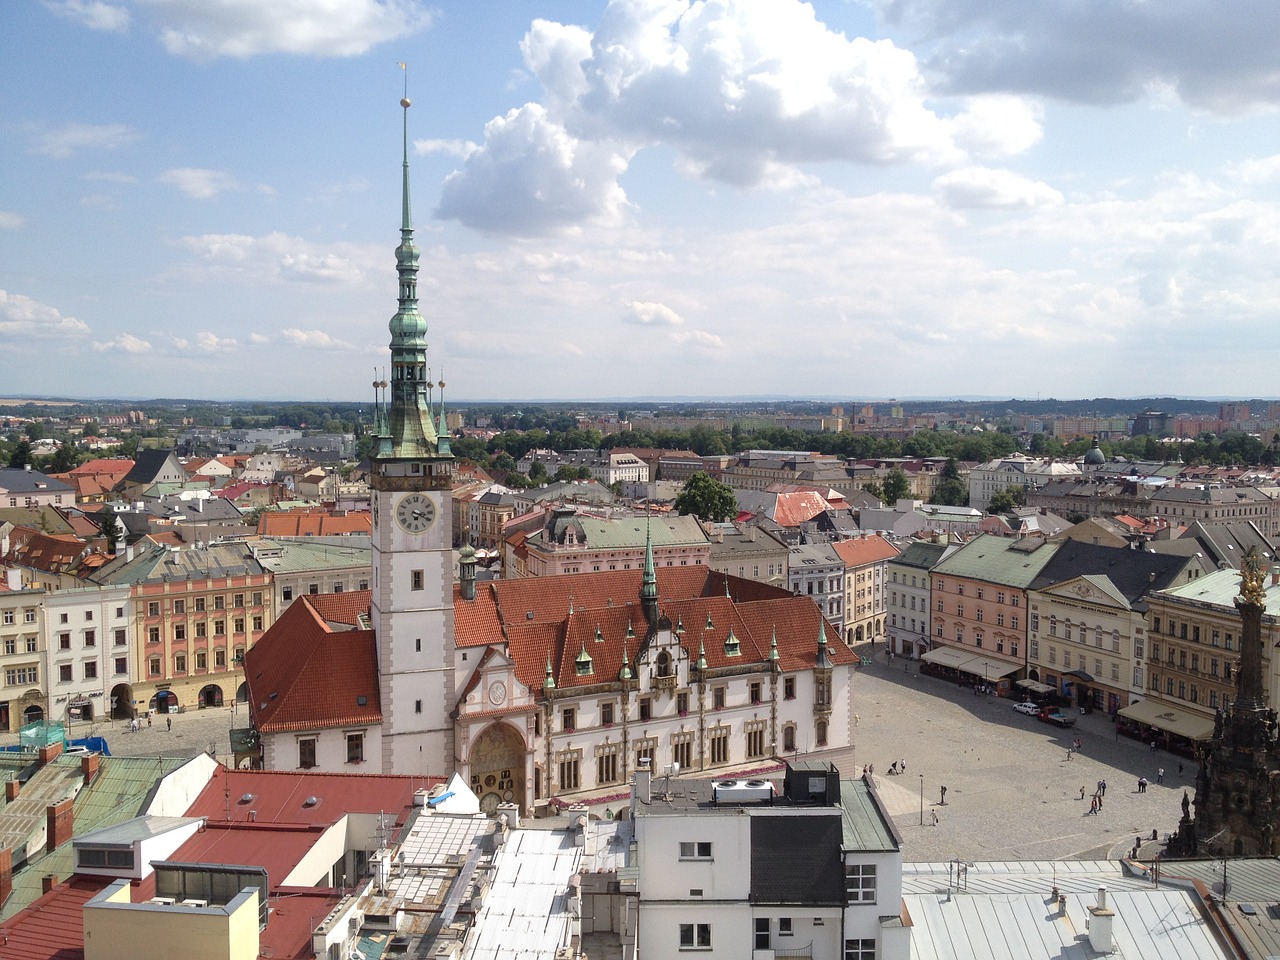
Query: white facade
{"type": "Point", "coordinates": [88, 651]}
{"type": "Point", "coordinates": [993, 476]}
{"type": "Point", "coordinates": [413, 620]}
{"type": "Point", "coordinates": [353, 749]}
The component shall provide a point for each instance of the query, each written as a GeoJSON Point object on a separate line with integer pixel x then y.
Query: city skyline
{"type": "Point", "coordinates": [641, 200]}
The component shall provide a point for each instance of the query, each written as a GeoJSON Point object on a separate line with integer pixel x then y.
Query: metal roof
{"type": "Point", "coordinates": [1004, 910]}
{"type": "Point", "coordinates": [999, 560]}
{"type": "Point", "coordinates": [865, 826]}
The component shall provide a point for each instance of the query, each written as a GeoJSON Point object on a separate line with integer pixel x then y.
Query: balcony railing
{"type": "Point", "coordinates": [666, 683]}
{"type": "Point", "coordinates": [805, 952]}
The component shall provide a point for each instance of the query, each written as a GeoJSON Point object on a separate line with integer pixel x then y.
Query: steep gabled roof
{"type": "Point", "coordinates": [304, 676]}
{"type": "Point", "coordinates": [865, 550]}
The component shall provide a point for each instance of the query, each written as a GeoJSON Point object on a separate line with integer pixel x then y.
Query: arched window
{"type": "Point", "coordinates": [664, 664]}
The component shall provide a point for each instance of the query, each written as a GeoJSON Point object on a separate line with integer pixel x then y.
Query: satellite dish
{"type": "Point", "coordinates": [675, 768]}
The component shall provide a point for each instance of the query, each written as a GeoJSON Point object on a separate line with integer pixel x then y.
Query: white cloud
{"type": "Point", "coordinates": [92, 14]}
{"type": "Point", "coordinates": [1256, 170]}
{"type": "Point", "coordinates": [207, 29]}
{"type": "Point", "coordinates": [699, 338]}
{"type": "Point", "coordinates": [277, 256]}
{"type": "Point", "coordinates": [258, 340]}
{"type": "Point", "coordinates": [212, 343]}
{"type": "Point", "coordinates": [313, 339]}
{"type": "Point", "coordinates": [532, 177]}
{"type": "Point", "coordinates": [124, 343]}
{"type": "Point", "coordinates": [11, 221]}
{"type": "Point", "coordinates": [652, 314]}
{"type": "Point", "coordinates": [71, 138]}
{"type": "Point", "coordinates": [451, 148]}
{"type": "Point", "coordinates": [1216, 56]}
{"type": "Point", "coordinates": [743, 92]}
{"type": "Point", "coordinates": [198, 183]}
{"type": "Point", "coordinates": [984, 187]}
{"type": "Point", "coordinates": [24, 318]}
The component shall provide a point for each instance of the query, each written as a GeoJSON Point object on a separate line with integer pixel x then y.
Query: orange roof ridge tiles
{"type": "Point", "coordinates": [863, 550]}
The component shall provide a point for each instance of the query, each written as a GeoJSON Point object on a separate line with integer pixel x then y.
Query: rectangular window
{"type": "Point", "coordinates": [355, 748]}
{"type": "Point", "coordinates": [257, 597]}
{"type": "Point", "coordinates": [32, 644]}
{"type": "Point", "coordinates": [91, 670]}
{"type": "Point", "coordinates": [122, 666]}
{"type": "Point", "coordinates": [607, 763]}
{"type": "Point", "coordinates": [286, 594]}
{"type": "Point", "coordinates": [202, 629]}
{"type": "Point", "coordinates": [569, 719]}
{"type": "Point", "coordinates": [64, 673]}
{"type": "Point", "coordinates": [238, 600]}
{"type": "Point", "coordinates": [784, 926]}
{"type": "Point", "coordinates": [788, 688]}
{"type": "Point", "coordinates": [755, 689]}
{"type": "Point", "coordinates": [695, 850]}
{"type": "Point", "coordinates": [646, 708]}
{"type": "Point", "coordinates": [219, 603]}
{"type": "Point", "coordinates": [153, 608]}
{"type": "Point", "coordinates": [755, 739]}
{"type": "Point", "coordinates": [417, 579]}
{"type": "Point", "coordinates": [695, 936]}
{"type": "Point", "coordinates": [219, 628]}
{"type": "Point", "coordinates": [717, 698]}
{"type": "Point", "coordinates": [153, 634]}
{"type": "Point", "coordinates": [569, 767]}
{"type": "Point", "coordinates": [239, 624]}
{"type": "Point", "coordinates": [64, 641]}
{"type": "Point", "coordinates": [860, 950]}
{"type": "Point", "coordinates": [762, 933]}
{"type": "Point", "coordinates": [179, 606]}
{"type": "Point", "coordinates": [91, 638]}
{"type": "Point", "coordinates": [307, 753]}
{"type": "Point", "coordinates": [257, 623]}
{"type": "Point", "coordinates": [682, 749]}
{"type": "Point", "coordinates": [199, 604]}
{"type": "Point", "coordinates": [720, 745]}
{"type": "Point", "coordinates": [606, 713]}
{"type": "Point", "coordinates": [220, 658]}
{"type": "Point", "coordinates": [682, 703]}
{"type": "Point", "coordinates": [860, 882]}
{"type": "Point", "coordinates": [202, 660]}
{"type": "Point", "coordinates": [179, 631]}
{"type": "Point", "coordinates": [180, 663]}
{"type": "Point", "coordinates": [153, 666]}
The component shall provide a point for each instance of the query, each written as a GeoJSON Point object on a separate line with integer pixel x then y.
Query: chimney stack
{"type": "Point", "coordinates": [1100, 920]}
{"type": "Point", "coordinates": [50, 753]}
{"type": "Point", "coordinates": [48, 882]}
{"type": "Point", "coordinates": [11, 788]}
{"type": "Point", "coordinates": [6, 874]}
{"type": "Point", "coordinates": [89, 767]}
{"type": "Point", "coordinates": [644, 779]}
{"type": "Point", "coordinates": [60, 818]}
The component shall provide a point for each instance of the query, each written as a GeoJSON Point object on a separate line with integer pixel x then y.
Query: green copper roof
{"type": "Point", "coordinates": [999, 560]}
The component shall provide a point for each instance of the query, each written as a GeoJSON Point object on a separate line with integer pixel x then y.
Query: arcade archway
{"type": "Point", "coordinates": [210, 696]}
{"type": "Point", "coordinates": [122, 702]}
{"type": "Point", "coordinates": [497, 767]}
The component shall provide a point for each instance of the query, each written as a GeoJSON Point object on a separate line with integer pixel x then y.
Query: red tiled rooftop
{"type": "Point", "coordinates": [280, 796]}
{"type": "Point", "coordinates": [864, 550]}
{"type": "Point", "coordinates": [302, 675]}
{"type": "Point", "coordinates": [306, 524]}
{"type": "Point", "coordinates": [52, 928]}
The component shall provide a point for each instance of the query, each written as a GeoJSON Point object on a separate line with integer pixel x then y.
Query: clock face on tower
{"type": "Point", "coordinates": [415, 513]}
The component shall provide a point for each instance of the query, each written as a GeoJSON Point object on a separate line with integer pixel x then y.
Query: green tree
{"type": "Point", "coordinates": [537, 472]}
{"type": "Point", "coordinates": [896, 486]}
{"type": "Point", "coordinates": [706, 498]}
{"type": "Point", "coordinates": [64, 459]}
{"type": "Point", "coordinates": [21, 454]}
{"type": "Point", "coordinates": [1002, 501]}
{"type": "Point", "coordinates": [568, 472]}
{"type": "Point", "coordinates": [951, 490]}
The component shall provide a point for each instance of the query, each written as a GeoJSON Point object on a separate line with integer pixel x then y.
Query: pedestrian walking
{"type": "Point", "coordinates": [148, 719]}
{"type": "Point", "coordinates": [1093, 806]}
{"type": "Point", "coordinates": [902, 765]}
{"type": "Point", "coordinates": [1082, 791]}
{"type": "Point", "coordinates": [1104, 787]}
{"type": "Point", "coordinates": [1179, 769]}
{"type": "Point", "coordinates": [1069, 752]}
{"type": "Point", "coordinates": [934, 814]}
{"type": "Point", "coordinates": [1153, 746]}
{"type": "Point", "coordinates": [1160, 775]}
{"type": "Point", "coordinates": [169, 723]}
{"type": "Point", "coordinates": [943, 800]}
{"type": "Point", "coordinates": [1142, 784]}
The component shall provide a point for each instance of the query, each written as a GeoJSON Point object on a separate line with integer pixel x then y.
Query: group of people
{"type": "Point", "coordinates": [898, 766]}
{"type": "Point", "coordinates": [135, 724]}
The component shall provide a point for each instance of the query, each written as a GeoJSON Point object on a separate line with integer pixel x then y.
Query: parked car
{"type": "Point", "coordinates": [1057, 717]}
{"type": "Point", "coordinates": [1027, 707]}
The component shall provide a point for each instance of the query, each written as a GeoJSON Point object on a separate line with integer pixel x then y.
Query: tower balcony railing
{"type": "Point", "coordinates": [666, 683]}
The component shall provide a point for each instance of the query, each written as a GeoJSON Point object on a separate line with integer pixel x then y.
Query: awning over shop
{"type": "Point", "coordinates": [1170, 719]}
{"type": "Point", "coordinates": [946, 657]}
{"type": "Point", "coordinates": [1080, 675]}
{"type": "Point", "coordinates": [988, 668]}
{"type": "Point", "coordinates": [1035, 686]}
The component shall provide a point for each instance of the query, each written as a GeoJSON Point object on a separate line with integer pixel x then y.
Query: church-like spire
{"type": "Point", "coordinates": [410, 433]}
{"type": "Point", "coordinates": [649, 587]}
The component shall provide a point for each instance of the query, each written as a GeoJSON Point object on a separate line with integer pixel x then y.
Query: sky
{"type": "Point", "coordinates": [854, 199]}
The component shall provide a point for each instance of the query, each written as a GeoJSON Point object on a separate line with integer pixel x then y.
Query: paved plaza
{"type": "Point", "coordinates": [1012, 794]}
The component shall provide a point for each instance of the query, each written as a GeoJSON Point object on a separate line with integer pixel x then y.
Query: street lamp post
{"type": "Point", "coordinates": [922, 799]}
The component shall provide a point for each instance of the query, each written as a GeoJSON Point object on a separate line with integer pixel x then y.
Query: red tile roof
{"type": "Point", "coordinates": [52, 928]}
{"type": "Point", "coordinates": [793, 509]}
{"type": "Point", "coordinates": [533, 616]}
{"type": "Point", "coordinates": [103, 467]}
{"type": "Point", "coordinates": [280, 796]}
{"type": "Point", "coordinates": [304, 676]}
{"type": "Point", "coordinates": [865, 550]}
{"type": "Point", "coordinates": [278, 849]}
{"type": "Point", "coordinates": [301, 523]}
{"type": "Point", "coordinates": [342, 608]}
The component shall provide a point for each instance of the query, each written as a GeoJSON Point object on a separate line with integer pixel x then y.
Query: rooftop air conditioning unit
{"type": "Point", "coordinates": [194, 903]}
{"type": "Point", "coordinates": [163, 901]}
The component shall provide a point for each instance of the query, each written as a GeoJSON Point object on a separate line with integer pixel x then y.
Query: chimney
{"type": "Point", "coordinates": [48, 882]}
{"type": "Point", "coordinates": [6, 874]}
{"type": "Point", "coordinates": [644, 778]}
{"type": "Point", "coordinates": [50, 753]}
{"type": "Point", "coordinates": [89, 767]}
{"type": "Point", "coordinates": [11, 788]}
{"type": "Point", "coordinates": [1100, 919]}
{"type": "Point", "coordinates": [60, 817]}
